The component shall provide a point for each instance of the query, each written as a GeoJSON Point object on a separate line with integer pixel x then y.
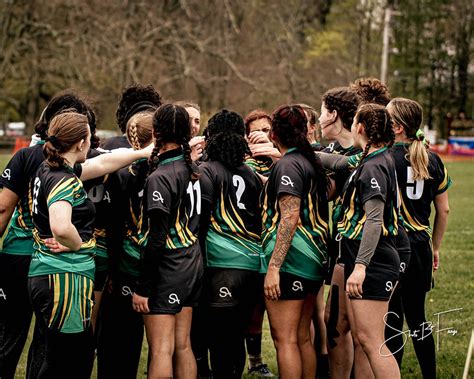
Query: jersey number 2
{"type": "Point", "coordinates": [196, 187]}
{"type": "Point", "coordinates": [414, 187]}
{"type": "Point", "coordinates": [240, 184]}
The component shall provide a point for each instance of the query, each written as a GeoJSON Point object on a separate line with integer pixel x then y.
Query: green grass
{"type": "Point", "coordinates": [454, 287]}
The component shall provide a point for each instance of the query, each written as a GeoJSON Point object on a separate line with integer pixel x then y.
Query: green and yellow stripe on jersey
{"type": "Point", "coordinates": [72, 302]}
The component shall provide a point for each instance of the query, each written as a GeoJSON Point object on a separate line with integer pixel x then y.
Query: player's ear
{"type": "Point", "coordinates": [398, 129]}
{"type": "Point", "coordinates": [80, 145]}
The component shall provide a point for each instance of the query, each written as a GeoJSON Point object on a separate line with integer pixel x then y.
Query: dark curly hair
{"type": "Point", "coordinates": [289, 126]}
{"type": "Point", "coordinates": [171, 124]}
{"type": "Point", "coordinates": [67, 100]}
{"type": "Point", "coordinates": [226, 139]}
{"type": "Point", "coordinates": [136, 98]}
{"type": "Point", "coordinates": [377, 126]}
{"type": "Point", "coordinates": [343, 100]}
{"type": "Point", "coordinates": [371, 90]}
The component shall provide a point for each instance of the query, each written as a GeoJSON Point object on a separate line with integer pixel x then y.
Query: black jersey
{"type": "Point", "coordinates": [124, 231]}
{"type": "Point", "coordinates": [99, 193]}
{"type": "Point", "coordinates": [234, 234]}
{"type": "Point", "coordinates": [375, 177]}
{"type": "Point", "coordinates": [116, 143]}
{"type": "Point", "coordinates": [170, 189]}
{"type": "Point", "coordinates": [417, 195]}
{"type": "Point", "coordinates": [16, 177]}
{"type": "Point", "coordinates": [294, 175]}
{"type": "Point", "coordinates": [50, 186]}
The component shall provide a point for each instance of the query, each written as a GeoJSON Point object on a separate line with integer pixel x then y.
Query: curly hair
{"type": "Point", "coordinates": [255, 115]}
{"type": "Point", "coordinates": [65, 130]}
{"type": "Point", "coordinates": [67, 100]}
{"type": "Point", "coordinates": [371, 90]}
{"type": "Point", "coordinates": [136, 98]}
{"type": "Point", "coordinates": [171, 124]}
{"type": "Point", "coordinates": [289, 126]}
{"type": "Point", "coordinates": [377, 126]}
{"type": "Point", "coordinates": [343, 100]}
{"type": "Point", "coordinates": [225, 141]}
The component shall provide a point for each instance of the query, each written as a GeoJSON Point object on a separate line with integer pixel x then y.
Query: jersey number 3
{"type": "Point", "coordinates": [192, 188]}
{"type": "Point", "coordinates": [414, 187]}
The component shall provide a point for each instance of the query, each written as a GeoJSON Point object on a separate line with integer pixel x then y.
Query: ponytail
{"type": "Point", "coordinates": [51, 150]}
{"type": "Point", "coordinates": [418, 156]}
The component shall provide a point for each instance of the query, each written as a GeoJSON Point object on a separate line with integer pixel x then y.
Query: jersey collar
{"type": "Point", "coordinates": [171, 156]}
{"type": "Point", "coordinates": [374, 153]}
{"type": "Point", "coordinates": [404, 144]}
{"type": "Point", "coordinates": [290, 150]}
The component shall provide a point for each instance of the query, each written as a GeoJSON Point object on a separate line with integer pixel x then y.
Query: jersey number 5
{"type": "Point", "coordinates": [196, 187]}
{"type": "Point", "coordinates": [414, 187]}
{"type": "Point", "coordinates": [240, 184]}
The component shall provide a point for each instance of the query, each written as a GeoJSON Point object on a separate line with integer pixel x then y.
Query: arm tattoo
{"type": "Point", "coordinates": [290, 213]}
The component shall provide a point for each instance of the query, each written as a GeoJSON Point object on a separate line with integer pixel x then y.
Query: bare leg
{"type": "Point", "coordinates": [368, 316]}
{"type": "Point", "coordinates": [160, 333]}
{"type": "Point", "coordinates": [308, 355]}
{"type": "Point", "coordinates": [284, 318]}
{"type": "Point", "coordinates": [339, 338]}
{"type": "Point", "coordinates": [184, 362]}
{"type": "Point", "coordinates": [320, 344]}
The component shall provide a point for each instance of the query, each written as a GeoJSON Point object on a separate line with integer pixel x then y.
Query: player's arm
{"type": "Point", "coordinates": [60, 222]}
{"type": "Point", "coordinates": [110, 162]}
{"type": "Point", "coordinates": [441, 204]}
{"type": "Point", "coordinates": [370, 238]}
{"type": "Point", "coordinates": [289, 206]}
{"type": "Point", "coordinates": [8, 201]}
{"type": "Point", "coordinates": [334, 162]}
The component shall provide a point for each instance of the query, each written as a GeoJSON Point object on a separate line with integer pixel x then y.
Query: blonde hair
{"type": "Point", "coordinates": [409, 114]}
{"type": "Point", "coordinates": [140, 129]}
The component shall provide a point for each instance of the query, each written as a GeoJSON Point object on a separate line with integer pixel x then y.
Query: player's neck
{"type": "Point", "coordinates": [345, 139]}
{"type": "Point", "coordinates": [168, 146]}
{"type": "Point", "coordinates": [70, 158]}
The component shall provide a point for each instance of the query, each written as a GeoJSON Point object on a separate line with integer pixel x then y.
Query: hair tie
{"type": "Point", "coordinates": [420, 136]}
{"type": "Point", "coordinates": [53, 139]}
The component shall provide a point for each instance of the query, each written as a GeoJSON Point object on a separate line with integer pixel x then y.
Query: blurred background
{"type": "Point", "coordinates": [235, 54]}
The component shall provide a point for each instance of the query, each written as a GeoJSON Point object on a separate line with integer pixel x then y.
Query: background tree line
{"type": "Point", "coordinates": [235, 54]}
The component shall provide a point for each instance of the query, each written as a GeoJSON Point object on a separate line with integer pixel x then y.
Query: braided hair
{"type": "Point", "coordinates": [67, 100]}
{"type": "Point", "coordinates": [136, 98]}
{"type": "Point", "coordinates": [225, 139]}
{"type": "Point", "coordinates": [171, 124]}
{"type": "Point", "coordinates": [377, 126]}
{"type": "Point", "coordinates": [343, 100]}
{"type": "Point", "coordinates": [140, 129]}
{"type": "Point", "coordinates": [66, 129]}
{"type": "Point", "coordinates": [371, 90]}
{"type": "Point", "coordinates": [289, 126]}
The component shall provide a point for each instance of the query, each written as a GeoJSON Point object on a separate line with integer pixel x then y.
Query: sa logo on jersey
{"type": "Point", "coordinates": [158, 197]}
{"type": "Point", "coordinates": [7, 174]}
{"type": "Point", "coordinates": [173, 298]}
{"type": "Point", "coordinates": [286, 181]}
{"type": "Point", "coordinates": [374, 184]}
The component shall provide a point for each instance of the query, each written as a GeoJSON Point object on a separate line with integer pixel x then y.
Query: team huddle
{"type": "Point", "coordinates": [190, 239]}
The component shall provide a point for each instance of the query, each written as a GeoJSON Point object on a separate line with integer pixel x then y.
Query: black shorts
{"type": "Point", "coordinates": [420, 269]}
{"type": "Point", "coordinates": [225, 287]}
{"type": "Point", "coordinates": [179, 281]}
{"type": "Point", "coordinates": [383, 271]}
{"type": "Point", "coordinates": [404, 251]}
{"type": "Point", "coordinates": [293, 287]}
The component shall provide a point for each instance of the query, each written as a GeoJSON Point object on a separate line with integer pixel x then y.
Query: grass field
{"type": "Point", "coordinates": [454, 287]}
